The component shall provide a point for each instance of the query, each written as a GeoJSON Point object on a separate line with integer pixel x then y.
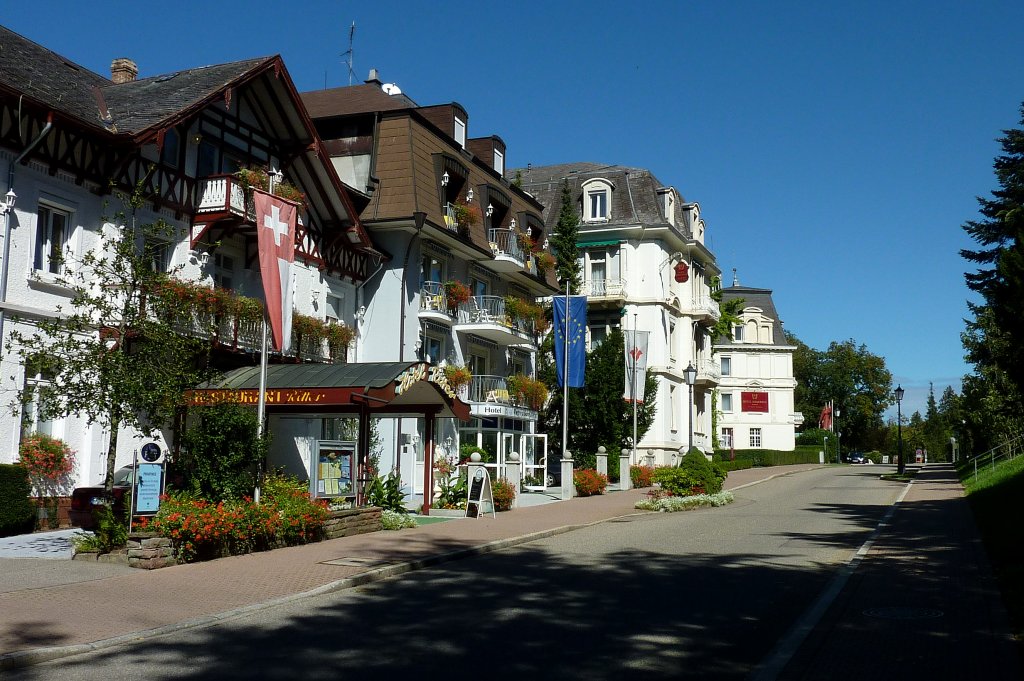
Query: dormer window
{"type": "Point", "coordinates": [499, 162]}
{"type": "Point", "coordinates": [597, 196]}
{"type": "Point", "coordinates": [460, 132]}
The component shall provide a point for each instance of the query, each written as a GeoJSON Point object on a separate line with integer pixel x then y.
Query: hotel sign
{"type": "Point", "coordinates": [488, 410]}
{"type": "Point", "coordinates": [754, 402]}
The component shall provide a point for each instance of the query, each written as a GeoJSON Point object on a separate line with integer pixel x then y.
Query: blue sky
{"type": "Point", "coordinates": [835, 148]}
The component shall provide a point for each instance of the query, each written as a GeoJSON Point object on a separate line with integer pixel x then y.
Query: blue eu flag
{"type": "Point", "coordinates": [570, 319]}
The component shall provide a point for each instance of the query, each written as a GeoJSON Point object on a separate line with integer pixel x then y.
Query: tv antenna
{"type": "Point", "coordinates": [349, 53]}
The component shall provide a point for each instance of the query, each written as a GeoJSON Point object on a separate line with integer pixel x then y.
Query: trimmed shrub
{"type": "Point", "coordinates": [589, 482]}
{"type": "Point", "coordinates": [814, 436]}
{"type": "Point", "coordinates": [773, 457]}
{"type": "Point", "coordinates": [675, 481]}
{"type": "Point", "coordinates": [707, 476]}
{"type": "Point", "coordinates": [17, 513]}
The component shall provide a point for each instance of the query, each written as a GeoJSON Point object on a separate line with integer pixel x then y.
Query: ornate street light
{"type": "Point", "coordinates": [901, 466]}
{"type": "Point", "coordinates": [690, 374]}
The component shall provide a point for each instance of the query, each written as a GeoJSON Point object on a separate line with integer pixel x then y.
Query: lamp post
{"type": "Point", "coordinates": [901, 465]}
{"type": "Point", "coordinates": [839, 440]}
{"type": "Point", "coordinates": [691, 377]}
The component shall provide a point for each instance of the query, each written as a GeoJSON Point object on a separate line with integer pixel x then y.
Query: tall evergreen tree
{"type": "Point", "coordinates": [998, 323]}
{"type": "Point", "coordinates": [563, 243]}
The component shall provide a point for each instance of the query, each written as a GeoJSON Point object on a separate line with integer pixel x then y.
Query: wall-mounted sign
{"type": "Point", "coordinates": [754, 402]}
{"type": "Point", "coordinates": [296, 396]}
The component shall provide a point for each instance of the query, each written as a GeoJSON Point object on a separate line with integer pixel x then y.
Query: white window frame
{"type": "Point", "coordinates": [597, 194]}
{"type": "Point", "coordinates": [725, 366]}
{"type": "Point", "coordinates": [42, 256]}
{"type": "Point", "coordinates": [499, 162]}
{"type": "Point", "coordinates": [728, 437]}
{"type": "Point", "coordinates": [673, 408]}
{"type": "Point", "coordinates": [35, 383]}
{"type": "Point", "coordinates": [727, 408]}
{"type": "Point", "coordinates": [672, 341]}
{"type": "Point", "coordinates": [460, 132]}
{"type": "Point", "coordinates": [755, 438]}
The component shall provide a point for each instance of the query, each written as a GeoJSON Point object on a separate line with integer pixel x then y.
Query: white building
{"type": "Point", "coordinates": [755, 396]}
{"type": "Point", "coordinates": [634, 234]}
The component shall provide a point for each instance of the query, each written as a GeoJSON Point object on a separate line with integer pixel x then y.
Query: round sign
{"type": "Point", "coordinates": [150, 451]}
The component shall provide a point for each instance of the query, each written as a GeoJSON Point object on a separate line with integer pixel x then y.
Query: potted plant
{"type": "Point", "coordinates": [457, 376]}
{"type": "Point", "coordinates": [456, 293]}
{"type": "Point", "coordinates": [466, 214]}
{"type": "Point", "coordinates": [339, 337]}
{"type": "Point", "coordinates": [545, 261]}
{"type": "Point", "coordinates": [504, 494]}
{"type": "Point", "coordinates": [527, 391]}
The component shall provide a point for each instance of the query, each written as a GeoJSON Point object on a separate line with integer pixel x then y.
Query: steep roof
{"type": "Point", "coordinates": [634, 198]}
{"type": "Point", "coordinates": [760, 298]}
{"type": "Point", "coordinates": [55, 82]}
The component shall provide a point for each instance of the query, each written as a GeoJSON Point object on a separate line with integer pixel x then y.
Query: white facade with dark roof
{"type": "Point", "coordinates": [633, 232]}
{"type": "Point", "coordinates": [755, 396]}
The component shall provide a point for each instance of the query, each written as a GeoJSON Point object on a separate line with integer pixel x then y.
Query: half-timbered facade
{"type": "Point", "coordinates": [468, 263]}
{"type": "Point", "coordinates": [71, 140]}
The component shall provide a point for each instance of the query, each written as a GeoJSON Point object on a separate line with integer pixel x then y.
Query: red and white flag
{"type": "Point", "coordinates": [636, 365]}
{"type": "Point", "coordinates": [275, 230]}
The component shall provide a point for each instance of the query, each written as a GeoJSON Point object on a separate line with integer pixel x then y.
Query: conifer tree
{"type": "Point", "coordinates": [563, 243]}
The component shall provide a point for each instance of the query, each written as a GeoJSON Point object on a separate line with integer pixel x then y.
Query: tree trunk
{"type": "Point", "coordinates": [108, 483]}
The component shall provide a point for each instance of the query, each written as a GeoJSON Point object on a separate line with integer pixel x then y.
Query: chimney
{"type": "Point", "coordinates": [374, 78]}
{"type": "Point", "coordinates": [123, 70]}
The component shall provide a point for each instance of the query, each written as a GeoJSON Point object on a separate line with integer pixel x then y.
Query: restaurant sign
{"type": "Point", "coordinates": [754, 402]}
{"type": "Point", "coordinates": [277, 396]}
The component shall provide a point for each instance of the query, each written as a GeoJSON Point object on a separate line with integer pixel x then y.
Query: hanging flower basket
{"type": "Point", "coordinates": [457, 376]}
{"type": "Point", "coordinates": [456, 293]}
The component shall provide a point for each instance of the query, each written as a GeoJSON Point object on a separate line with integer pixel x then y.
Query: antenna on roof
{"type": "Point", "coordinates": [349, 53]}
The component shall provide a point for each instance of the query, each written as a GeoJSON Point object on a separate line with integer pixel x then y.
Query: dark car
{"type": "Point", "coordinates": [84, 500]}
{"type": "Point", "coordinates": [857, 457]}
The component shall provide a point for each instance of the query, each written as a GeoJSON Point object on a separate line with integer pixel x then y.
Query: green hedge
{"type": "Point", "coordinates": [17, 514]}
{"type": "Point", "coordinates": [769, 457]}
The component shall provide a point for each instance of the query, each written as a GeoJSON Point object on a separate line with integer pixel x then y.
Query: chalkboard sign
{"type": "Point", "coordinates": [479, 494]}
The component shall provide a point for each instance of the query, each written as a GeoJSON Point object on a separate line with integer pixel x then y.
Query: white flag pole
{"type": "Point", "coordinates": [565, 376]}
{"type": "Point", "coordinates": [632, 389]}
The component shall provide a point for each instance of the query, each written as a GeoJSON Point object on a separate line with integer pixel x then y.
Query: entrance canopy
{"type": "Point", "coordinates": [384, 387]}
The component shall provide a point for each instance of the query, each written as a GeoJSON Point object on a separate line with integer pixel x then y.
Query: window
{"type": "Point", "coordinates": [224, 270]}
{"type": "Point", "coordinates": [755, 437]}
{"type": "Point", "coordinates": [673, 402]}
{"type": "Point", "coordinates": [727, 438]}
{"type": "Point", "coordinates": [169, 152]}
{"type": "Point", "coordinates": [157, 254]}
{"type": "Point", "coordinates": [598, 205]}
{"type": "Point", "coordinates": [478, 286]}
{"type": "Point", "coordinates": [335, 307]}
{"type": "Point", "coordinates": [726, 401]}
{"type": "Point", "coordinates": [38, 380]}
{"type": "Point", "coordinates": [672, 340]}
{"type": "Point", "coordinates": [52, 236]}
{"type": "Point", "coordinates": [431, 269]}
{"type": "Point", "coordinates": [499, 162]}
{"type": "Point", "coordinates": [737, 333]}
{"type": "Point", "coordinates": [597, 336]}
{"type": "Point", "coordinates": [727, 366]}
{"type": "Point", "coordinates": [460, 131]}
{"type": "Point", "coordinates": [433, 348]}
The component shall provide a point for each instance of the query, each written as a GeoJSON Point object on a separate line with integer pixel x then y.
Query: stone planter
{"type": "Point", "coordinates": [352, 521]}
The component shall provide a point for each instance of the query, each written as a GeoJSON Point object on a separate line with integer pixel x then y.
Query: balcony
{"type": "Point", "coordinates": [509, 255]}
{"type": "Point", "coordinates": [219, 197]}
{"type": "Point", "coordinates": [708, 371]}
{"type": "Point", "coordinates": [705, 310]}
{"type": "Point", "coordinates": [485, 316]}
{"type": "Point", "coordinates": [433, 303]}
{"type": "Point", "coordinates": [610, 292]}
{"type": "Point", "coordinates": [496, 390]}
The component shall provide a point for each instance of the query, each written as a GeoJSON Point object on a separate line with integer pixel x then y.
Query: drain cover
{"type": "Point", "coordinates": [358, 562]}
{"type": "Point", "coordinates": [902, 613]}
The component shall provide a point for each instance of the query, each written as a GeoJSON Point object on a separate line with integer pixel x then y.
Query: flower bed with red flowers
{"type": "Point", "coordinates": [641, 476]}
{"type": "Point", "coordinates": [201, 529]}
{"type": "Point", "coordinates": [589, 482]}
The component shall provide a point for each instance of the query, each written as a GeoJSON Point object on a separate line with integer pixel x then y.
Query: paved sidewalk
{"type": "Point", "coordinates": [921, 604]}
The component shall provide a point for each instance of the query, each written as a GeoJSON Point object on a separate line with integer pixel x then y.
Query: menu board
{"type": "Point", "coordinates": [333, 474]}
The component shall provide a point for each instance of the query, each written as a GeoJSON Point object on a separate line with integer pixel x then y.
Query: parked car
{"type": "Point", "coordinates": [84, 500]}
{"type": "Point", "coordinates": [857, 457]}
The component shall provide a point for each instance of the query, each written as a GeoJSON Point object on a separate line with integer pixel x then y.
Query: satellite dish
{"type": "Point", "coordinates": [391, 89]}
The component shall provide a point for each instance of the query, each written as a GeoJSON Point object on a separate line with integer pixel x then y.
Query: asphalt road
{"type": "Point", "coordinates": [702, 594]}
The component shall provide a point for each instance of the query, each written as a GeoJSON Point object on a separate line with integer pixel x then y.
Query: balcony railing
{"type": "Point", "coordinates": [604, 288]}
{"type": "Point", "coordinates": [221, 194]}
{"type": "Point", "coordinates": [493, 389]}
{"type": "Point", "coordinates": [707, 307]}
{"type": "Point", "coordinates": [708, 370]}
{"type": "Point", "coordinates": [242, 335]}
{"type": "Point", "coordinates": [491, 310]}
{"type": "Point", "coordinates": [504, 242]}
{"type": "Point", "coordinates": [432, 297]}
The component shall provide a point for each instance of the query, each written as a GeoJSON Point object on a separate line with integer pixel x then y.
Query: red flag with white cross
{"type": "Point", "coordinates": [275, 238]}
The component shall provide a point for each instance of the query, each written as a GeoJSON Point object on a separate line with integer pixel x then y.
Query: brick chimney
{"type": "Point", "coordinates": [123, 70]}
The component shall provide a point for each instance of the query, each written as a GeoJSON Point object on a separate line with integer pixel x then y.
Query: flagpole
{"type": "Point", "coordinates": [633, 390]}
{"type": "Point", "coordinates": [565, 376]}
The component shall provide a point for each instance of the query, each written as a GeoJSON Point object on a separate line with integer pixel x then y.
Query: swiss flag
{"type": "Point", "coordinates": [275, 233]}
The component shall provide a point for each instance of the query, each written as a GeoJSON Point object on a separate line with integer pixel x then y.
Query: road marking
{"type": "Point", "coordinates": [772, 666]}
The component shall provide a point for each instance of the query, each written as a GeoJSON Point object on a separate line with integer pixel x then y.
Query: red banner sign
{"type": "Point", "coordinates": [755, 402]}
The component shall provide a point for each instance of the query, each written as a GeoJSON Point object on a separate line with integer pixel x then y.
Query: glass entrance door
{"type": "Point", "coordinates": [534, 455]}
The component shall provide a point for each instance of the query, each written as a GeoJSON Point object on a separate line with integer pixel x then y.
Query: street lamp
{"type": "Point", "coordinates": [839, 438]}
{"type": "Point", "coordinates": [691, 377]}
{"type": "Point", "coordinates": [901, 466]}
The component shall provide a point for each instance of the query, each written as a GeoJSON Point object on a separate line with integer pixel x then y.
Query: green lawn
{"type": "Point", "coordinates": [996, 497]}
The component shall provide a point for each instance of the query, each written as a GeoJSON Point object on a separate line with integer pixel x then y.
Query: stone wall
{"type": "Point", "coordinates": [352, 521]}
{"type": "Point", "coordinates": [149, 551]}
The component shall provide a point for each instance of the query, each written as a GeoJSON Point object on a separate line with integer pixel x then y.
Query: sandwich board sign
{"type": "Point", "coordinates": [479, 493]}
